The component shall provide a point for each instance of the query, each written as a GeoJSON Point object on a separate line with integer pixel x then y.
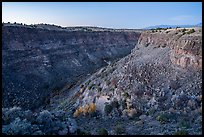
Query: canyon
{"type": "Point", "coordinates": [109, 81]}
{"type": "Point", "coordinates": [39, 60]}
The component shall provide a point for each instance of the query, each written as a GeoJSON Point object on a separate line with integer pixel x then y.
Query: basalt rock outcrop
{"type": "Point", "coordinates": [38, 59]}
{"type": "Point", "coordinates": [186, 48]}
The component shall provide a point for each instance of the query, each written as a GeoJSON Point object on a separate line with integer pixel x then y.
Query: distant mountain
{"type": "Point", "coordinates": [173, 26]}
{"type": "Point", "coordinates": [199, 25]}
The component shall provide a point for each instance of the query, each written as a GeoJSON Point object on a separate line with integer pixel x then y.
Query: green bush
{"type": "Point", "coordinates": [123, 104]}
{"type": "Point", "coordinates": [108, 108]}
{"type": "Point", "coordinates": [126, 95]}
{"type": "Point", "coordinates": [99, 89]}
{"type": "Point", "coordinates": [119, 129]}
{"type": "Point", "coordinates": [158, 28]}
{"type": "Point", "coordinates": [163, 118]}
{"type": "Point", "coordinates": [91, 86]}
{"type": "Point", "coordinates": [183, 30]}
{"type": "Point", "coordinates": [102, 131]}
{"type": "Point", "coordinates": [115, 104]}
{"type": "Point", "coordinates": [181, 132]}
{"type": "Point", "coordinates": [151, 112]}
{"type": "Point", "coordinates": [191, 31]}
{"type": "Point", "coordinates": [81, 86]}
{"type": "Point", "coordinates": [79, 132]}
{"type": "Point", "coordinates": [184, 123]}
{"type": "Point", "coordinates": [108, 82]}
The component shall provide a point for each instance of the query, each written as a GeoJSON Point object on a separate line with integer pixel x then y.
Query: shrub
{"type": "Point", "coordinates": [183, 30]}
{"type": "Point", "coordinates": [181, 132]}
{"type": "Point", "coordinates": [115, 104]}
{"type": "Point", "coordinates": [151, 111]}
{"type": "Point", "coordinates": [174, 84]}
{"type": "Point", "coordinates": [81, 86]}
{"type": "Point", "coordinates": [99, 89]}
{"type": "Point", "coordinates": [78, 112]}
{"type": "Point", "coordinates": [86, 109]}
{"type": "Point", "coordinates": [17, 127]}
{"type": "Point", "coordinates": [108, 108]}
{"type": "Point", "coordinates": [108, 82]}
{"type": "Point", "coordinates": [126, 95]}
{"type": "Point", "coordinates": [123, 104]}
{"type": "Point", "coordinates": [119, 129]}
{"type": "Point", "coordinates": [191, 31]}
{"type": "Point", "coordinates": [92, 108]}
{"type": "Point", "coordinates": [163, 118]}
{"type": "Point", "coordinates": [102, 131]}
{"type": "Point", "coordinates": [95, 114]}
{"type": "Point", "coordinates": [132, 113]}
{"type": "Point", "coordinates": [88, 81]}
{"type": "Point", "coordinates": [184, 123]}
{"type": "Point", "coordinates": [79, 132]}
{"type": "Point", "coordinates": [91, 86]}
{"type": "Point", "coordinates": [158, 28]}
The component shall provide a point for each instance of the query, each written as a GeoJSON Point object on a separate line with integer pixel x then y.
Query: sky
{"type": "Point", "coordinates": [103, 14]}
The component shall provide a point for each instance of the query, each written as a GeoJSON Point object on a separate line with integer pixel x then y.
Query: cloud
{"type": "Point", "coordinates": [181, 18]}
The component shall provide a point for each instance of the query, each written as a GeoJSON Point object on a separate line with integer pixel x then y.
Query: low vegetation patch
{"type": "Point", "coordinates": [119, 129]}
{"type": "Point", "coordinates": [88, 109]}
{"type": "Point", "coordinates": [191, 31]}
{"type": "Point", "coordinates": [181, 132]}
{"type": "Point", "coordinates": [102, 131]}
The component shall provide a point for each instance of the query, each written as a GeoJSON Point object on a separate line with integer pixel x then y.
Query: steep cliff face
{"type": "Point", "coordinates": [38, 60]}
{"type": "Point", "coordinates": [186, 48]}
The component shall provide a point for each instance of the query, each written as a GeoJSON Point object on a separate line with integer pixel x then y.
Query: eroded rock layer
{"type": "Point", "coordinates": [38, 60]}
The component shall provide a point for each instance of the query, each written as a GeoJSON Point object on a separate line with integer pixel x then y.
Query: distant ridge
{"type": "Point", "coordinates": [173, 26]}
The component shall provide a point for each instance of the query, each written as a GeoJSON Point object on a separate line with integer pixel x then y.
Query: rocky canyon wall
{"type": "Point", "coordinates": [186, 48]}
{"type": "Point", "coordinates": [38, 60]}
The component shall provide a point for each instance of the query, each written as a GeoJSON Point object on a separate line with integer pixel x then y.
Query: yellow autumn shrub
{"type": "Point", "coordinates": [86, 109]}
{"type": "Point", "coordinates": [92, 108]}
{"type": "Point", "coordinates": [76, 113]}
{"type": "Point", "coordinates": [80, 110]}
